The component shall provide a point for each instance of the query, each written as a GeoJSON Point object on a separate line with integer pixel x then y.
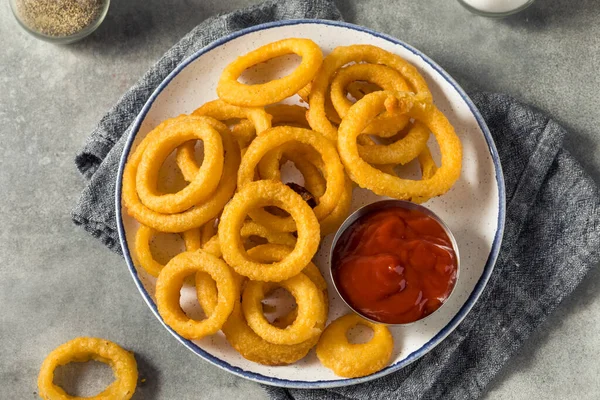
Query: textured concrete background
{"type": "Point", "coordinates": [56, 282]}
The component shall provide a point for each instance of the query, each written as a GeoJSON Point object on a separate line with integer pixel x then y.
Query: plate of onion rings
{"type": "Point", "coordinates": [247, 159]}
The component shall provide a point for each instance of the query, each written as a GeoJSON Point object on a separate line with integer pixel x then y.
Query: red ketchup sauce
{"type": "Point", "coordinates": [395, 265]}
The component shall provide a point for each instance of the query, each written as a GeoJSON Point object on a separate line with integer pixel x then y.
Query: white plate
{"type": "Point", "coordinates": [473, 209]}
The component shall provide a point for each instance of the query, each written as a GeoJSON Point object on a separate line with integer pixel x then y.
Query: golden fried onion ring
{"type": "Point", "coordinates": [261, 194]}
{"type": "Point", "coordinates": [251, 346]}
{"type": "Point", "coordinates": [343, 55]}
{"type": "Point", "coordinates": [199, 214]}
{"type": "Point", "coordinates": [305, 159]}
{"type": "Point", "coordinates": [385, 125]}
{"type": "Point", "coordinates": [351, 360]}
{"type": "Point", "coordinates": [310, 310]}
{"type": "Point", "coordinates": [384, 184]}
{"type": "Point", "coordinates": [311, 166]}
{"type": "Point", "coordinates": [168, 286]}
{"type": "Point", "coordinates": [83, 349]}
{"type": "Point", "coordinates": [204, 182]}
{"type": "Point", "coordinates": [234, 92]}
{"type": "Point", "coordinates": [358, 89]}
{"type": "Point", "coordinates": [252, 121]}
{"type": "Point", "coordinates": [278, 136]}
{"type": "Point", "coordinates": [222, 111]}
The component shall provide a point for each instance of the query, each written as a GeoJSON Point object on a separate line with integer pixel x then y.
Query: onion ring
{"type": "Point", "coordinates": [384, 125]}
{"type": "Point", "coordinates": [205, 181]}
{"type": "Point", "coordinates": [304, 327]}
{"type": "Point", "coordinates": [243, 339]}
{"type": "Point", "coordinates": [354, 360]}
{"type": "Point", "coordinates": [253, 120]}
{"type": "Point", "coordinates": [255, 291]}
{"type": "Point", "coordinates": [194, 217]}
{"type": "Point", "coordinates": [143, 254]}
{"type": "Point", "coordinates": [260, 194]}
{"type": "Point", "coordinates": [168, 286]}
{"type": "Point", "coordinates": [343, 55]}
{"type": "Point", "coordinates": [254, 348]}
{"type": "Point", "coordinates": [275, 137]}
{"type": "Point", "coordinates": [311, 166]}
{"type": "Point", "coordinates": [428, 169]}
{"type": "Point", "coordinates": [330, 112]}
{"type": "Point", "coordinates": [385, 184]}
{"type": "Point", "coordinates": [234, 92]}
{"type": "Point", "coordinates": [271, 253]}
{"type": "Point", "coordinates": [83, 349]}
{"type": "Point", "coordinates": [305, 92]}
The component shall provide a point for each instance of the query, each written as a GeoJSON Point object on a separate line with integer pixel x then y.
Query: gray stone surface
{"type": "Point", "coordinates": [56, 282]}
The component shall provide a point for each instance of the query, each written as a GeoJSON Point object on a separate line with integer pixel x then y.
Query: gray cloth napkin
{"type": "Point", "coordinates": [550, 242]}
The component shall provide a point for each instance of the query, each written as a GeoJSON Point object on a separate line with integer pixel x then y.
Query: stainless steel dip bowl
{"type": "Point", "coordinates": [378, 206]}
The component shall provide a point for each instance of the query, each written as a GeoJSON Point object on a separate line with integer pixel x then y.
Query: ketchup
{"type": "Point", "coordinates": [395, 265]}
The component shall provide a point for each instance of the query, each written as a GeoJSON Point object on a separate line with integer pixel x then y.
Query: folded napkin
{"type": "Point", "coordinates": [551, 237]}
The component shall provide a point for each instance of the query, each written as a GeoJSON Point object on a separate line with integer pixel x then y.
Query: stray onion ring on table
{"type": "Point", "coordinates": [260, 194]}
{"type": "Point", "coordinates": [234, 92]}
{"type": "Point", "coordinates": [170, 281]}
{"type": "Point", "coordinates": [353, 360]}
{"type": "Point", "coordinates": [84, 349]}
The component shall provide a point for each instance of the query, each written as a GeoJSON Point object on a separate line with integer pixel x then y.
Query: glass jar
{"type": "Point", "coordinates": [60, 21]}
{"type": "Point", "coordinates": [495, 8]}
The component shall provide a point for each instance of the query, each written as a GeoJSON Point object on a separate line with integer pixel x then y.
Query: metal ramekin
{"type": "Point", "coordinates": [382, 205]}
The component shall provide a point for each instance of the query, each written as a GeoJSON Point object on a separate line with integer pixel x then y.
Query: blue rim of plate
{"type": "Point", "coordinates": [441, 335]}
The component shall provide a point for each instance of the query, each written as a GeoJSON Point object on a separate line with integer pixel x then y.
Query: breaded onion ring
{"type": "Point", "coordinates": [234, 92]}
{"type": "Point", "coordinates": [168, 286]}
{"type": "Point", "coordinates": [261, 194]}
{"type": "Point", "coordinates": [84, 349]}
{"type": "Point", "coordinates": [354, 360]}
{"type": "Point", "coordinates": [384, 184]}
